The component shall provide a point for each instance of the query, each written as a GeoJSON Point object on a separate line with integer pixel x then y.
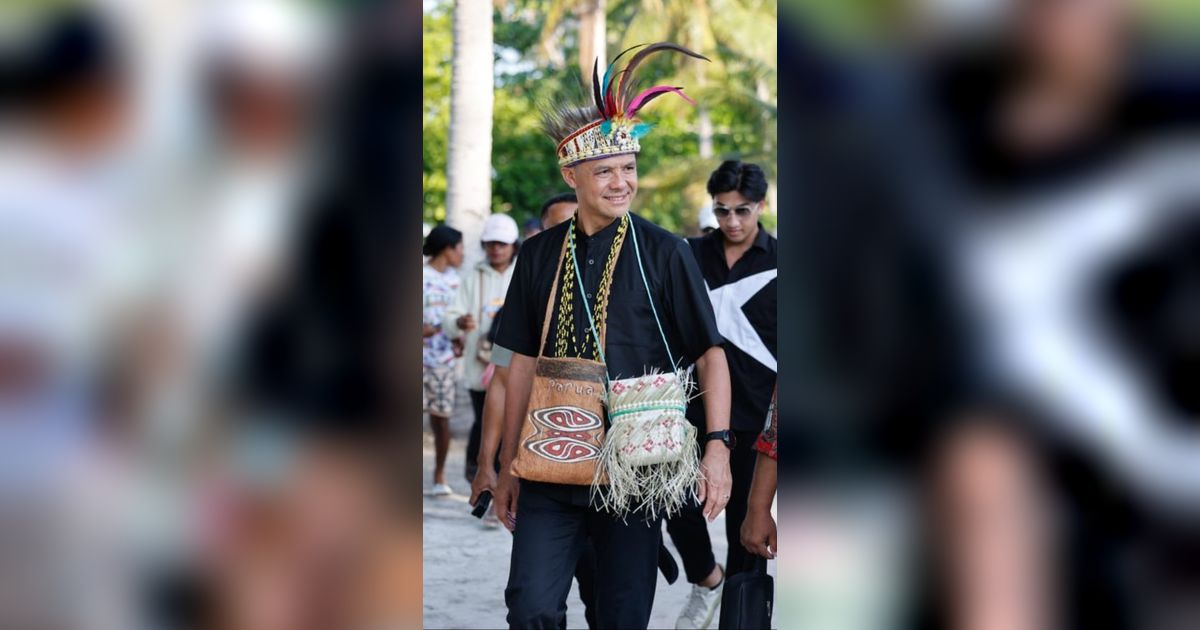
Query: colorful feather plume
{"type": "Point", "coordinates": [616, 103]}
{"type": "Point", "coordinates": [608, 126]}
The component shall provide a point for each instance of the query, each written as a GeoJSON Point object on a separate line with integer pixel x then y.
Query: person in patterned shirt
{"type": "Point", "coordinates": [444, 247]}
{"type": "Point", "coordinates": [759, 530]}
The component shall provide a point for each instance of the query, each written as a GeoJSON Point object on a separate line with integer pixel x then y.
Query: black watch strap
{"type": "Point", "coordinates": [725, 436]}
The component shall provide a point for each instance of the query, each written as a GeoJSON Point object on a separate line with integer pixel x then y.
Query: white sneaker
{"type": "Point", "coordinates": [701, 605]}
{"type": "Point", "coordinates": [441, 490]}
{"type": "Point", "coordinates": [489, 518]}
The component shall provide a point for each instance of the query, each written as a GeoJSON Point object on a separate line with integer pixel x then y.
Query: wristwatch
{"type": "Point", "coordinates": [725, 436]}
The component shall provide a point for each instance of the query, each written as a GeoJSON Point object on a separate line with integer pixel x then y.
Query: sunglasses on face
{"type": "Point", "coordinates": [742, 211]}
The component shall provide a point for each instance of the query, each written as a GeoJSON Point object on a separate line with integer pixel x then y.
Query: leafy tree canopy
{"type": "Point", "coordinates": [672, 173]}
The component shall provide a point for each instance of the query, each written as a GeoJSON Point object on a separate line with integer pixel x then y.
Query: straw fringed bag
{"type": "Point", "coordinates": [650, 459]}
{"type": "Point", "coordinates": [564, 426]}
{"type": "Point", "coordinates": [649, 456]}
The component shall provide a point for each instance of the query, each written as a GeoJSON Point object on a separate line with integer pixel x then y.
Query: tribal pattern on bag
{"type": "Point", "coordinates": [649, 455]}
{"type": "Point", "coordinates": [564, 434]}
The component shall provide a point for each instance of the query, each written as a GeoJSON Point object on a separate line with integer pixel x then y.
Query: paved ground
{"type": "Point", "coordinates": [466, 565]}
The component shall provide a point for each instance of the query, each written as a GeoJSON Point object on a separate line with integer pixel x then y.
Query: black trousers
{"type": "Point", "coordinates": [585, 575]}
{"type": "Point", "coordinates": [474, 441]}
{"type": "Point", "coordinates": [554, 523]}
{"type": "Point", "coordinates": [689, 530]}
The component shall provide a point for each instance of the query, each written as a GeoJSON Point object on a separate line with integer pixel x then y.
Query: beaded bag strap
{"type": "Point", "coordinates": [649, 296]}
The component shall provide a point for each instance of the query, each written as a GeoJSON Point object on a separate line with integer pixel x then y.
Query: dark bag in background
{"type": "Point", "coordinates": [749, 598]}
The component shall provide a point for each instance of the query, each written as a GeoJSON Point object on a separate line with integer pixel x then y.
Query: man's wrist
{"type": "Point", "coordinates": [716, 449]}
{"type": "Point", "coordinates": [755, 504]}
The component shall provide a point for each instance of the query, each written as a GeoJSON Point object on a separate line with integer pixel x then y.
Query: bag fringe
{"type": "Point", "coordinates": [661, 487]}
{"type": "Point", "coordinates": [654, 488]}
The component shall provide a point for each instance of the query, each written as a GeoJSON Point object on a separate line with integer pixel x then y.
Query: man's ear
{"type": "Point", "coordinates": [568, 175]}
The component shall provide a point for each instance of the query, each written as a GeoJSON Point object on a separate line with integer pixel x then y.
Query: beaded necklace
{"type": "Point", "coordinates": [566, 337]}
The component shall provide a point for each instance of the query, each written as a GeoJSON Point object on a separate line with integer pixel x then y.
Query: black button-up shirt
{"type": "Point", "coordinates": [744, 299]}
{"type": "Point", "coordinates": [634, 344]}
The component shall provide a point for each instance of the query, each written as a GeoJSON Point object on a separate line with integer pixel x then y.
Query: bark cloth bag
{"type": "Point", "coordinates": [563, 432]}
{"type": "Point", "coordinates": [650, 459]}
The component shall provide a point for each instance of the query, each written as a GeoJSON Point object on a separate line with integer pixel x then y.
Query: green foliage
{"type": "Point", "coordinates": [522, 157]}
{"type": "Point", "coordinates": [672, 173]}
{"type": "Point", "coordinates": [437, 48]}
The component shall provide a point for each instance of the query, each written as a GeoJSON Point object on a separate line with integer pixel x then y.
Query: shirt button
{"type": "Point", "coordinates": [589, 296]}
{"type": "Point", "coordinates": [591, 262]}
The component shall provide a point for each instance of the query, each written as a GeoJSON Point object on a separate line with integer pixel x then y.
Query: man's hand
{"type": "Point", "coordinates": [485, 479]}
{"type": "Point", "coordinates": [508, 488]}
{"type": "Point", "coordinates": [713, 373]}
{"type": "Point", "coordinates": [714, 489]}
{"type": "Point", "coordinates": [759, 533]}
{"type": "Point", "coordinates": [428, 330]}
{"type": "Point", "coordinates": [466, 323]}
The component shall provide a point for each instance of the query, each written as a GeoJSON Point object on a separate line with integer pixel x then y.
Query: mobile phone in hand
{"type": "Point", "coordinates": [481, 505]}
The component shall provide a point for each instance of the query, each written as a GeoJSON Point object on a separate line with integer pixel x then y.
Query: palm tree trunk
{"type": "Point", "coordinates": [469, 156]}
{"type": "Point", "coordinates": [592, 45]}
{"type": "Point", "coordinates": [764, 95]}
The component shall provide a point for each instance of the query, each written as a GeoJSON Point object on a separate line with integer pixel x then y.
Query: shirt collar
{"type": "Point", "coordinates": [605, 234]}
{"type": "Point", "coordinates": [763, 240]}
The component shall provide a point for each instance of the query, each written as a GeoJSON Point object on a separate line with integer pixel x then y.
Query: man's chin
{"type": "Point", "coordinates": [616, 212]}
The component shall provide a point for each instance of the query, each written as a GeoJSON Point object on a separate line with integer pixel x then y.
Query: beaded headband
{"type": "Point", "coordinates": [612, 128]}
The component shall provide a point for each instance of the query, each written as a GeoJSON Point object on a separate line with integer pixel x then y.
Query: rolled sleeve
{"type": "Point", "coordinates": [501, 356]}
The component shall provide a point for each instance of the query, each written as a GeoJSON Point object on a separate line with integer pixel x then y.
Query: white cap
{"type": "Point", "coordinates": [268, 35]}
{"type": "Point", "coordinates": [707, 218]}
{"type": "Point", "coordinates": [499, 227]}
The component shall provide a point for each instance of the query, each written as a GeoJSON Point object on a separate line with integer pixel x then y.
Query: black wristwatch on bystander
{"type": "Point", "coordinates": [726, 437]}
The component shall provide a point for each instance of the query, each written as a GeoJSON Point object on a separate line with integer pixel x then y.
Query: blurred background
{"type": "Point", "coordinates": [988, 408]}
{"type": "Point", "coordinates": [197, 222]}
{"type": "Point", "coordinates": [989, 355]}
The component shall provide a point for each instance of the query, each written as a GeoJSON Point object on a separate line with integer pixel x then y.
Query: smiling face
{"type": "Point", "coordinates": [737, 216]}
{"type": "Point", "coordinates": [606, 186]}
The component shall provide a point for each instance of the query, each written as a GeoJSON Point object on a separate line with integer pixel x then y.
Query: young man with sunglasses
{"type": "Point", "coordinates": [738, 261]}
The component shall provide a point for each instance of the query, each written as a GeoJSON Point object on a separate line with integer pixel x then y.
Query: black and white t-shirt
{"type": "Point", "coordinates": [744, 300]}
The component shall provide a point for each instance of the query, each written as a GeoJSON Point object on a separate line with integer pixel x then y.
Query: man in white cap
{"type": "Point", "coordinates": [480, 297]}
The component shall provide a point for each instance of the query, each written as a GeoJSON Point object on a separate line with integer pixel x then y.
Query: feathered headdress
{"type": "Point", "coordinates": [611, 128]}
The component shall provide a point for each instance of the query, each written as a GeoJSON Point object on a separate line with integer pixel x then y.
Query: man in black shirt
{"type": "Point", "coordinates": [598, 161]}
{"type": "Point", "coordinates": [739, 265]}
